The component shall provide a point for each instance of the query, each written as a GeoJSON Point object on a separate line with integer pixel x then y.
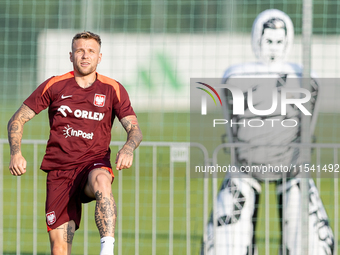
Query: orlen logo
{"type": "Point", "coordinates": [238, 100]}
{"type": "Point", "coordinates": [64, 109]}
{"type": "Point", "coordinates": [69, 131]}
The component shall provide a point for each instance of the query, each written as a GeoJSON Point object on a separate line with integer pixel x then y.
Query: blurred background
{"type": "Point", "coordinates": [153, 47]}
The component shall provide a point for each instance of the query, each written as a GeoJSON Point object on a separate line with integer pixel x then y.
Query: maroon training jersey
{"type": "Point", "coordinates": [80, 119]}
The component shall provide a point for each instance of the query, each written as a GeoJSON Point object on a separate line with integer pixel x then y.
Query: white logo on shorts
{"type": "Point", "coordinates": [51, 218]}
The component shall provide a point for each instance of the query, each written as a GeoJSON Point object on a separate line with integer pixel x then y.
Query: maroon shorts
{"type": "Point", "coordinates": [65, 193]}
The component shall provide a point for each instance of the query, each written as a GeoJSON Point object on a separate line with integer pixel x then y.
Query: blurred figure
{"type": "Point", "coordinates": [237, 200]}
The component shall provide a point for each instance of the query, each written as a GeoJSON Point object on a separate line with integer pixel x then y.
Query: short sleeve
{"type": "Point", "coordinates": [40, 99]}
{"type": "Point", "coordinates": [122, 106]}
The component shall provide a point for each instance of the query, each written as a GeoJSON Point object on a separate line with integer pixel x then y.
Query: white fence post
{"type": "Point", "coordinates": [18, 214]}
{"type": "Point", "coordinates": [137, 201]}
{"type": "Point", "coordinates": [176, 156]}
{"type": "Point", "coordinates": [35, 198]}
{"type": "Point", "coordinates": [154, 198]}
{"type": "Point", "coordinates": [1, 198]}
{"type": "Point", "coordinates": [336, 203]}
{"type": "Point", "coordinates": [181, 154]}
{"type": "Point", "coordinates": [120, 212]}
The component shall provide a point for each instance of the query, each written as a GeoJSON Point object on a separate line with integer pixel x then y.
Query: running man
{"type": "Point", "coordinates": [82, 106]}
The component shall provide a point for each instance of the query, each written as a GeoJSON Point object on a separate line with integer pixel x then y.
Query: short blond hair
{"type": "Point", "coordinates": [87, 35]}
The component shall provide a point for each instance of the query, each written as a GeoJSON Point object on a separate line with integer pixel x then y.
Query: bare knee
{"type": "Point", "coordinates": [103, 178]}
{"type": "Point", "coordinates": [99, 183]}
{"type": "Point", "coordinates": [57, 249]}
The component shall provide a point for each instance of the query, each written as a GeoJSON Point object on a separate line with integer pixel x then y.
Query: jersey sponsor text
{"type": "Point", "coordinates": [69, 131]}
{"type": "Point", "coordinates": [89, 115]}
{"type": "Point", "coordinates": [81, 113]}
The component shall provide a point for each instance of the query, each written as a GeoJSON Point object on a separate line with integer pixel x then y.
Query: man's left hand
{"type": "Point", "coordinates": [124, 158]}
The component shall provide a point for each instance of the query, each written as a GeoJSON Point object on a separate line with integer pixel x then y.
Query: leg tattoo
{"type": "Point", "coordinates": [68, 234]}
{"type": "Point", "coordinates": [105, 214]}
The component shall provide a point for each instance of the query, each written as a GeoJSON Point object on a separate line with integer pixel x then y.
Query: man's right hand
{"type": "Point", "coordinates": [15, 128]}
{"type": "Point", "coordinates": [17, 165]}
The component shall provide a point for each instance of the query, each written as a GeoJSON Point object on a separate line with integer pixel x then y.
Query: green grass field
{"type": "Point", "coordinates": [155, 127]}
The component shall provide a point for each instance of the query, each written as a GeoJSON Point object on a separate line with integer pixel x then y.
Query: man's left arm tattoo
{"type": "Point", "coordinates": [133, 131]}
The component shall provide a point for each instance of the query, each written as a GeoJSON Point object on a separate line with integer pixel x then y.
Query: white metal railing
{"type": "Point", "coordinates": [317, 147]}
{"type": "Point", "coordinates": [179, 152]}
{"type": "Point", "coordinates": [35, 144]}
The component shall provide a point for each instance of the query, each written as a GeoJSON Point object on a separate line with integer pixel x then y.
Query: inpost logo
{"type": "Point", "coordinates": [282, 95]}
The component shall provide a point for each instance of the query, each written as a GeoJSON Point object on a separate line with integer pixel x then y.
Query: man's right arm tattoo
{"type": "Point", "coordinates": [15, 127]}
